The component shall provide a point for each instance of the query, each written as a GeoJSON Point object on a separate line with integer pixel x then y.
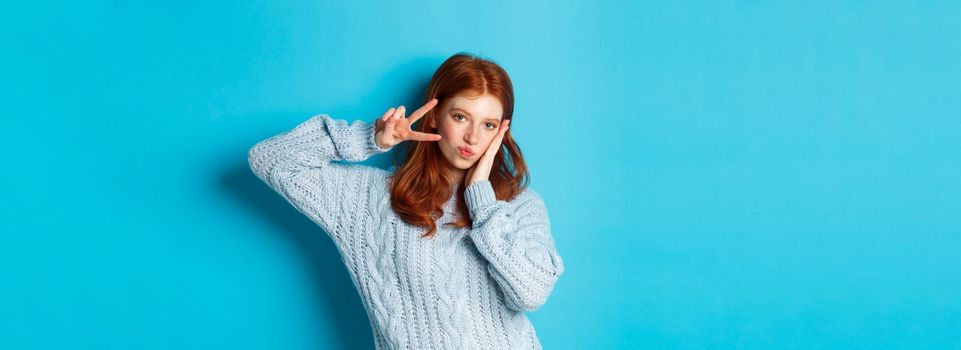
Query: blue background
{"type": "Point", "coordinates": [759, 175]}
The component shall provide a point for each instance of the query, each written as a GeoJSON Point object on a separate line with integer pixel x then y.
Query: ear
{"type": "Point", "coordinates": [430, 122]}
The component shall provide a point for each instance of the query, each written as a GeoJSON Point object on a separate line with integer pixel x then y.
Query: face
{"type": "Point", "coordinates": [467, 125]}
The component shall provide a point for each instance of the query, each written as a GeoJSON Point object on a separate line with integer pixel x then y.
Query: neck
{"type": "Point", "coordinates": [456, 175]}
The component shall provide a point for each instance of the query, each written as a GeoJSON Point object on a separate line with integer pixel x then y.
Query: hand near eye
{"type": "Point", "coordinates": [393, 128]}
{"type": "Point", "coordinates": [482, 170]}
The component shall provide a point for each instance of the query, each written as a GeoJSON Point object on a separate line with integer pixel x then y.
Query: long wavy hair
{"type": "Point", "coordinates": [422, 184]}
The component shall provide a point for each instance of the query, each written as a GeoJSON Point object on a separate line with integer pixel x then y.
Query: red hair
{"type": "Point", "coordinates": [422, 184]}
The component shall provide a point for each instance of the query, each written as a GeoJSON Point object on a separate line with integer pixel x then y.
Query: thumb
{"type": "Point", "coordinates": [469, 175]}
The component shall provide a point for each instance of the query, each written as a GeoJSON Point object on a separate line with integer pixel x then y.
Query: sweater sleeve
{"type": "Point", "coordinates": [515, 239]}
{"type": "Point", "coordinates": [302, 166]}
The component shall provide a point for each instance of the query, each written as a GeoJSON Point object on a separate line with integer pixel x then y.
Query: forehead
{"type": "Point", "coordinates": [483, 106]}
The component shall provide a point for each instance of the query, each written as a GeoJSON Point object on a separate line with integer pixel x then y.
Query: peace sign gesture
{"type": "Point", "coordinates": [393, 128]}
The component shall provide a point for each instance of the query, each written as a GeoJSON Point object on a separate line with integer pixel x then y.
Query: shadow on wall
{"type": "Point", "coordinates": [330, 277]}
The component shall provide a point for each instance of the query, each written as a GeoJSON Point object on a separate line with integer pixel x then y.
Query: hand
{"type": "Point", "coordinates": [482, 170]}
{"type": "Point", "coordinates": [393, 128]}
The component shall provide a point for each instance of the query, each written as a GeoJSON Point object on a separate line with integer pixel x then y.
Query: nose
{"type": "Point", "coordinates": [469, 136]}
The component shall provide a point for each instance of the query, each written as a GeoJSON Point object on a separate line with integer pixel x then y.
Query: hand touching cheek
{"type": "Point", "coordinates": [482, 170]}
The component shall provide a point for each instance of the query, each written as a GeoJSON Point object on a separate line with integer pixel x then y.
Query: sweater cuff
{"type": "Point", "coordinates": [371, 131]}
{"type": "Point", "coordinates": [479, 195]}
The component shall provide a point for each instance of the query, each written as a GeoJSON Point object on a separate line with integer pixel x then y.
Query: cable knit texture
{"type": "Point", "coordinates": [464, 288]}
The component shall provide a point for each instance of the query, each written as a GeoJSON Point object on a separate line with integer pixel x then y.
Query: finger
{"type": "Point", "coordinates": [422, 110]}
{"type": "Point", "coordinates": [422, 136]}
{"type": "Point", "coordinates": [495, 145]}
{"type": "Point", "coordinates": [391, 122]}
{"type": "Point", "coordinates": [387, 114]}
{"type": "Point", "coordinates": [399, 113]}
{"type": "Point", "coordinates": [470, 175]}
{"type": "Point", "coordinates": [500, 134]}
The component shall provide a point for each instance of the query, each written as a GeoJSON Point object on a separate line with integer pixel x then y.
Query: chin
{"type": "Point", "coordinates": [463, 164]}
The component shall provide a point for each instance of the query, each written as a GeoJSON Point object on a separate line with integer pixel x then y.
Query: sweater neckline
{"type": "Point", "coordinates": [451, 205]}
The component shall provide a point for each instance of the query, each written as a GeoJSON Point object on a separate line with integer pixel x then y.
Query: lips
{"type": "Point", "coordinates": [465, 152]}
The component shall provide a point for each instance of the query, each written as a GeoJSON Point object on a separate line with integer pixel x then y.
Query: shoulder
{"type": "Point", "coordinates": [529, 201]}
{"type": "Point", "coordinates": [361, 171]}
{"type": "Point", "coordinates": [361, 179]}
{"type": "Point", "coordinates": [528, 194]}
{"type": "Point", "coordinates": [371, 185]}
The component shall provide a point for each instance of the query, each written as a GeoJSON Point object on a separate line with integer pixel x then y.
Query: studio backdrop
{"type": "Point", "coordinates": [718, 175]}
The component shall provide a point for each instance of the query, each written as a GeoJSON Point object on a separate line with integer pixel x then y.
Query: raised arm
{"type": "Point", "coordinates": [515, 237]}
{"type": "Point", "coordinates": [302, 166]}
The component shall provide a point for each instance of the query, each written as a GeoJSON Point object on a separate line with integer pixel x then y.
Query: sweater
{"type": "Point", "coordinates": [464, 288]}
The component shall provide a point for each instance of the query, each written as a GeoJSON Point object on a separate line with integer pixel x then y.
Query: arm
{"type": "Point", "coordinates": [301, 166]}
{"type": "Point", "coordinates": [516, 240]}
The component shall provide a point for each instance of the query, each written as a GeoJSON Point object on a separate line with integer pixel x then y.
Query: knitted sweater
{"type": "Point", "coordinates": [464, 288]}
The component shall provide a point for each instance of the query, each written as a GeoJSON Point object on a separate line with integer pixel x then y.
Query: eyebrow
{"type": "Point", "coordinates": [469, 115]}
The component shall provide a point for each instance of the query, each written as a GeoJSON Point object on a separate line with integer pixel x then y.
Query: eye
{"type": "Point", "coordinates": [459, 117]}
{"type": "Point", "coordinates": [491, 126]}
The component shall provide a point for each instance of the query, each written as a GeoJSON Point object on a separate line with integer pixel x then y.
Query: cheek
{"type": "Point", "coordinates": [448, 132]}
{"type": "Point", "coordinates": [488, 137]}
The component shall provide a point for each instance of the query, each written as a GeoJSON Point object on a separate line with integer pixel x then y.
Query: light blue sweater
{"type": "Point", "coordinates": [465, 288]}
